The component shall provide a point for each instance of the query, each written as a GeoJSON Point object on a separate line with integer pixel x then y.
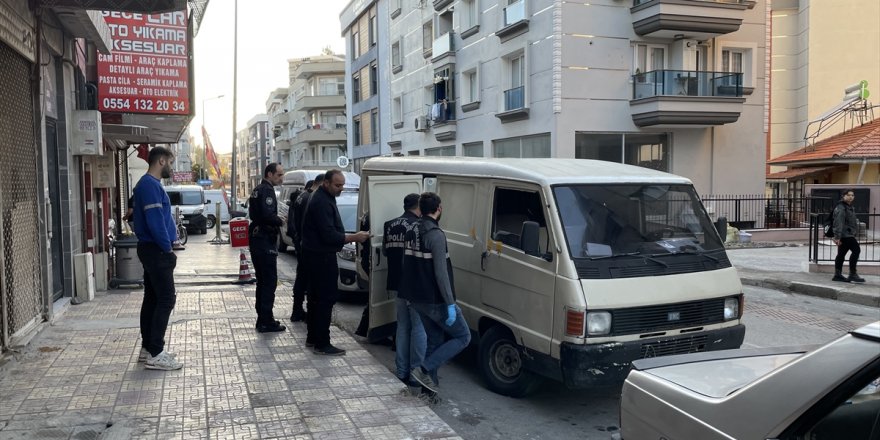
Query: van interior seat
{"type": "Point", "coordinates": [506, 224]}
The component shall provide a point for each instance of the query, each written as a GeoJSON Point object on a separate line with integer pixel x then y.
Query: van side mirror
{"type": "Point", "coordinates": [529, 239]}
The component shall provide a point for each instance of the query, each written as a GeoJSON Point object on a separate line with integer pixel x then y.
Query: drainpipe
{"type": "Point", "coordinates": [712, 160]}
{"type": "Point", "coordinates": [862, 171]}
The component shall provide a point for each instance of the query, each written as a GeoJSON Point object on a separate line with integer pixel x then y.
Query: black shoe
{"type": "Point", "coordinates": [269, 328]}
{"type": "Point", "coordinates": [297, 316]}
{"type": "Point", "coordinates": [329, 350]}
{"type": "Point", "coordinates": [839, 277]}
{"type": "Point", "coordinates": [424, 379]}
{"type": "Point", "coordinates": [855, 278]}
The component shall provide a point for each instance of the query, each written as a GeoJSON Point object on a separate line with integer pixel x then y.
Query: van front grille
{"type": "Point", "coordinates": [667, 316]}
{"type": "Point", "coordinates": [688, 344]}
{"type": "Point", "coordinates": [637, 266]}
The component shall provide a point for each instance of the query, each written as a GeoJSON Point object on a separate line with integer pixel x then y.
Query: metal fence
{"type": "Point", "coordinates": [824, 249]}
{"type": "Point", "coordinates": [759, 212]}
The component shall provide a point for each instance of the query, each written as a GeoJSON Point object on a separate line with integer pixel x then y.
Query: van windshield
{"type": "Point", "coordinates": [185, 197]}
{"type": "Point", "coordinates": [349, 217]}
{"type": "Point", "coordinates": [634, 219]}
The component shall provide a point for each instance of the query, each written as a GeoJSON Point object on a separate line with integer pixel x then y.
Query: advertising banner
{"type": "Point", "coordinates": [148, 69]}
{"type": "Point", "coordinates": [182, 176]}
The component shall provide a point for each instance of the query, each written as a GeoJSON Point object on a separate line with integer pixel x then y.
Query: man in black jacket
{"type": "Point", "coordinates": [323, 236]}
{"type": "Point", "coordinates": [301, 283]}
{"type": "Point", "coordinates": [263, 231]}
{"type": "Point", "coordinates": [846, 229]}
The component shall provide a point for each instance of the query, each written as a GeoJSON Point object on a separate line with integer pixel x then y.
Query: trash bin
{"type": "Point", "coordinates": [238, 232]}
{"type": "Point", "coordinates": [128, 265]}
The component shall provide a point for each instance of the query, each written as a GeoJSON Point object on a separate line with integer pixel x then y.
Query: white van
{"type": "Point", "coordinates": [566, 269]}
{"type": "Point", "coordinates": [212, 197]}
{"type": "Point", "coordinates": [191, 201]}
{"type": "Point", "coordinates": [296, 180]}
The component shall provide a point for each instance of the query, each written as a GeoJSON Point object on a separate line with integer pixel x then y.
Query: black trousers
{"type": "Point", "coordinates": [159, 295]}
{"type": "Point", "coordinates": [301, 283]}
{"type": "Point", "coordinates": [322, 293]}
{"type": "Point", "coordinates": [265, 256]}
{"type": "Point", "coordinates": [847, 244]}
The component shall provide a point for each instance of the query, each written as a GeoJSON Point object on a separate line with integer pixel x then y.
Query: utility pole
{"type": "Point", "coordinates": [234, 104]}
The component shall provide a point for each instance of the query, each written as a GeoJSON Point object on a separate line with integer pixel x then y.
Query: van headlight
{"type": "Point", "coordinates": [347, 254]}
{"type": "Point", "coordinates": [598, 323]}
{"type": "Point", "coordinates": [731, 308]}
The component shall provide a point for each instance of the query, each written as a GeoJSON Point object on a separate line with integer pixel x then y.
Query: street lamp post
{"type": "Point", "coordinates": [204, 141]}
{"type": "Point", "coordinates": [234, 104]}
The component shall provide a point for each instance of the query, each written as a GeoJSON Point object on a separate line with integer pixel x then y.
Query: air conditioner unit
{"type": "Point", "coordinates": [84, 277]}
{"type": "Point", "coordinates": [421, 123]}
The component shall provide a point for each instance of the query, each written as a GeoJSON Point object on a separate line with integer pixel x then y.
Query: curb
{"type": "Point", "coordinates": [817, 290]}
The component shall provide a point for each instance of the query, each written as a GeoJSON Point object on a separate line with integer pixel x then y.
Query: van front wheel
{"type": "Point", "coordinates": [501, 363]}
{"type": "Point", "coordinates": [209, 223]}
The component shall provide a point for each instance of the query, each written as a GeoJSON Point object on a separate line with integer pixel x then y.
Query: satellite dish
{"type": "Point", "coordinates": [342, 162]}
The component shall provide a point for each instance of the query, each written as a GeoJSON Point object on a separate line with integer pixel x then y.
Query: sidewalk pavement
{"type": "Point", "coordinates": [79, 377]}
{"type": "Point", "coordinates": [786, 268]}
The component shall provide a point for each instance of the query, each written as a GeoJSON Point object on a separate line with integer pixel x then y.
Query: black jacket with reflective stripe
{"type": "Point", "coordinates": [393, 235]}
{"type": "Point", "coordinates": [418, 282]}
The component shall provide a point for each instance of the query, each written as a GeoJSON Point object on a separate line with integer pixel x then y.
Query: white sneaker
{"type": "Point", "coordinates": [144, 355]}
{"type": "Point", "coordinates": [163, 361]}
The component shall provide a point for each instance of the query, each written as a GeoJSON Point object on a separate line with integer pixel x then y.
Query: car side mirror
{"type": "Point", "coordinates": [529, 239]}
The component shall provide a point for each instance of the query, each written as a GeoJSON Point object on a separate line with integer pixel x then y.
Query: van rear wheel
{"type": "Point", "coordinates": [502, 366]}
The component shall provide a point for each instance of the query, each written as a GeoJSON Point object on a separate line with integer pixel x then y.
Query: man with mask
{"type": "Point", "coordinates": [263, 231]}
{"type": "Point", "coordinates": [156, 230]}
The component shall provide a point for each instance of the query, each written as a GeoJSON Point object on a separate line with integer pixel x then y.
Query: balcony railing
{"type": "Point", "coordinates": [442, 44]}
{"type": "Point", "coordinates": [733, 2]}
{"type": "Point", "coordinates": [514, 13]}
{"type": "Point", "coordinates": [514, 98]}
{"type": "Point", "coordinates": [687, 83]}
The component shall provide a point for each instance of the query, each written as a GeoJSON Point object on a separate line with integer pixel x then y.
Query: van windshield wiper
{"type": "Point", "coordinates": [631, 254]}
{"type": "Point", "coordinates": [688, 252]}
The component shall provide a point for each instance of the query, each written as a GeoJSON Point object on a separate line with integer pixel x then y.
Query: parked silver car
{"type": "Point", "coordinates": [814, 393]}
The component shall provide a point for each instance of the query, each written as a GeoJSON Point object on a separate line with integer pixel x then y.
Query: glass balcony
{"type": "Point", "coordinates": [514, 98]}
{"type": "Point", "coordinates": [514, 13]}
{"type": "Point", "coordinates": [686, 83]}
{"type": "Point", "coordinates": [442, 45]}
{"type": "Point", "coordinates": [733, 2]}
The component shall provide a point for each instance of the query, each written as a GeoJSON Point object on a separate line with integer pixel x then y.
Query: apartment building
{"type": "Point", "coordinates": [278, 109]}
{"type": "Point", "coordinates": [675, 85]}
{"type": "Point", "coordinates": [259, 149]}
{"type": "Point", "coordinates": [243, 172]}
{"type": "Point", "coordinates": [819, 49]}
{"type": "Point", "coordinates": [367, 67]}
{"type": "Point", "coordinates": [317, 122]}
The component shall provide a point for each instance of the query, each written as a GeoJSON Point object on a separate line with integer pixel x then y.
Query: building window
{"type": "Point", "coordinates": [427, 38]}
{"type": "Point", "coordinates": [328, 86]}
{"type": "Point", "coordinates": [357, 130]}
{"type": "Point", "coordinates": [374, 126]}
{"type": "Point", "coordinates": [526, 146]}
{"type": "Point", "coordinates": [356, 88]}
{"type": "Point", "coordinates": [330, 154]}
{"type": "Point", "coordinates": [648, 150]}
{"type": "Point", "coordinates": [443, 103]}
{"type": "Point", "coordinates": [514, 12]}
{"type": "Point", "coordinates": [441, 151]}
{"type": "Point", "coordinates": [471, 86]}
{"type": "Point", "coordinates": [397, 112]}
{"type": "Point", "coordinates": [472, 149]}
{"type": "Point", "coordinates": [374, 79]}
{"type": "Point", "coordinates": [356, 44]}
{"type": "Point", "coordinates": [470, 16]}
{"type": "Point", "coordinates": [396, 58]}
{"type": "Point", "coordinates": [738, 60]}
{"type": "Point", "coordinates": [374, 30]}
{"type": "Point", "coordinates": [647, 58]}
{"type": "Point", "coordinates": [515, 92]}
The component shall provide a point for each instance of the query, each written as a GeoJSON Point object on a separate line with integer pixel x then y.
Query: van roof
{"type": "Point", "coordinates": [184, 187]}
{"type": "Point", "coordinates": [352, 180]}
{"type": "Point", "coordinates": [543, 171]}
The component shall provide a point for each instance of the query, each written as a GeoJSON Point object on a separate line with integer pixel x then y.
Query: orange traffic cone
{"type": "Point", "coordinates": [245, 276]}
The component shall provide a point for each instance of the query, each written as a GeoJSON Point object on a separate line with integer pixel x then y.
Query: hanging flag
{"type": "Point", "coordinates": [209, 153]}
{"type": "Point", "coordinates": [144, 152]}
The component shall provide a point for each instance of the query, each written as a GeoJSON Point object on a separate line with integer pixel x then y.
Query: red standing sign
{"type": "Point", "coordinates": [147, 70]}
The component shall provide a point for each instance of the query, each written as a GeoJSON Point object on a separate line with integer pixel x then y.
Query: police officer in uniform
{"type": "Point", "coordinates": [263, 230]}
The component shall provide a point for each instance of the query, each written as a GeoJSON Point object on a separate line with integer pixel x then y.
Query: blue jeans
{"type": "Point", "coordinates": [411, 339]}
{"type": "Point", "coordinates": [441, 350]}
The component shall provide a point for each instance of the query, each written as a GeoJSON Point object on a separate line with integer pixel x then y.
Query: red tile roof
{"type": "Point", "coordinates": [798, 173]}
{"type": "Point", "coordinates": [862, 142]}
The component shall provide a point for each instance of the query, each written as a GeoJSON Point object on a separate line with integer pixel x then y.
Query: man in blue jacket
{"type": "Point", "coordinates": [156, 230]}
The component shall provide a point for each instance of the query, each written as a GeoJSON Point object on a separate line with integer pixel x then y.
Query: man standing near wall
{"type": "Point", "coordinates": [263, 230]}
{"type": "Point", "coordinates": [323, 236]}
{"type": "Point", "coordinates": [156, 230]}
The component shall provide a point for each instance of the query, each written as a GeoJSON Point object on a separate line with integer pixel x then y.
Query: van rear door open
{"type": "Point", "coordinates": [385, 201]}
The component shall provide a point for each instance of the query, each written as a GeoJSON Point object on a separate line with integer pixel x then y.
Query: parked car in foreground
{"type": "Point", "coordinates": [814, 393]}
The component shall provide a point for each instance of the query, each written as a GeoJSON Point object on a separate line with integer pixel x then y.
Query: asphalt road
{"type": "Point", "coordinates": [772, 318]}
